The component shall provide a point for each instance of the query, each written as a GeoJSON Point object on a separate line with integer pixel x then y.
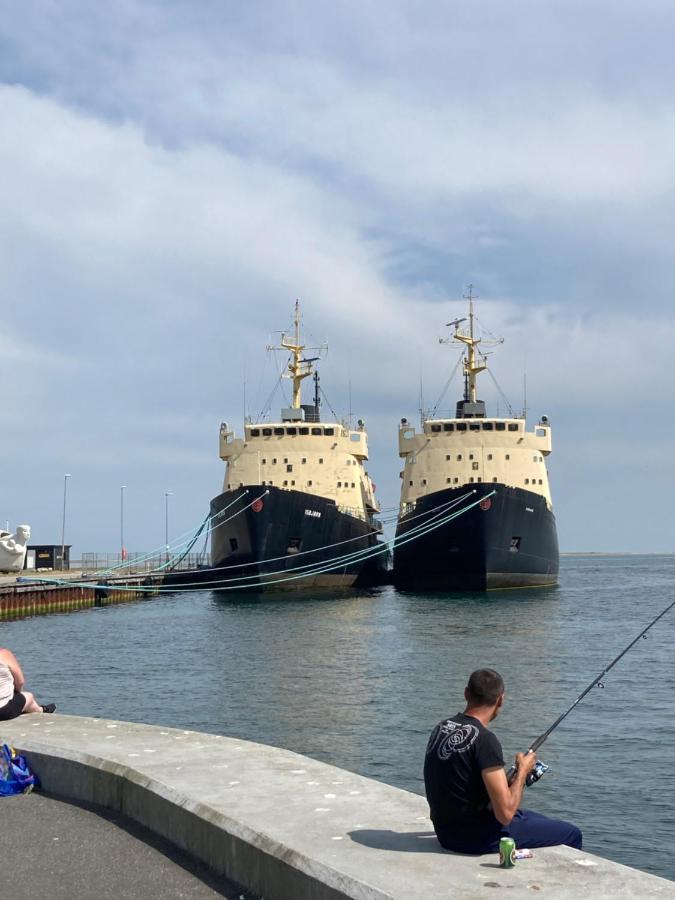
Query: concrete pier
{"type": "Point", "coordinates": [285, 826]}
{"type": "Point", "coordinates": [60, 592]}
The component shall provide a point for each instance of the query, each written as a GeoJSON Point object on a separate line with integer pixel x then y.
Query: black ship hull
{"type": "Point", "coordinates": [509, 540]}
{"type": "Point", "coordinates": [289, 540]}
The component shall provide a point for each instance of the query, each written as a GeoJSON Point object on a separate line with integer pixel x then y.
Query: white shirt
{"type": "Point", "coordinates": [6, 684]}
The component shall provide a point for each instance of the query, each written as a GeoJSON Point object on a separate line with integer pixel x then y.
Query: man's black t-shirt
{"type": "Point", "coordinates": [458, 750]}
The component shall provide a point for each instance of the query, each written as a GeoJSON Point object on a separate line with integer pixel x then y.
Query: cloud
{"type": "Point", "coordinates": [175, 176]}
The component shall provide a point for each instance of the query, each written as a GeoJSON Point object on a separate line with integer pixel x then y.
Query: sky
{"type": "Point", "coordinates": [174, 175]}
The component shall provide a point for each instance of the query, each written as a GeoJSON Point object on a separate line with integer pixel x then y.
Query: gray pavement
{"type": "Point", "coordinates": [55, 850]}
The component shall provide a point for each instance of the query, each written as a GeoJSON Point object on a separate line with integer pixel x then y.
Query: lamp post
{"type": "Point", "coordinates": [122, 550]}
{"type": "Point", "coordinates": [167, 494]}
{"type": "Point", "coordinates": [63, 520]}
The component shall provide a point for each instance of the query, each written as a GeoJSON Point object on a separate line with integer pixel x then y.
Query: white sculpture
{"type": "Point", "coordinates": [13, 549]}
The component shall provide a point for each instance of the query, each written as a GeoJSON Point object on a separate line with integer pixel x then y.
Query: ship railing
{"type": "Point", "coordinates": [355, 511]}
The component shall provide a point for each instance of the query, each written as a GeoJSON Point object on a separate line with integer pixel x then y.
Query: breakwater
{"type": "Point", "coordinates": [283, 825]}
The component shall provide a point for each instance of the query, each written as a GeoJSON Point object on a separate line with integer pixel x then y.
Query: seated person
{"type": "Point", "coordinates": [13, 699]}
{"type": "Point", "coordinates": [472, 805]}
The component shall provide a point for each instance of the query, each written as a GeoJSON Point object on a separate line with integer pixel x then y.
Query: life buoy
{"type": "Point", "coordinates": [257, 505]}
{"type": "Point", "coordinates": [485, 504]}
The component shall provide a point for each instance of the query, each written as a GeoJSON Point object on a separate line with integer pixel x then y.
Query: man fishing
{"type": "Point", "coordinates": [471, 801]}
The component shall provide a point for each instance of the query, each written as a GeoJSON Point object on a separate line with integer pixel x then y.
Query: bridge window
{"type": "Point", "coordinates": [489, 456]}
{"type": "Point", "coordinates": [316, 431]}
{"type": "Point", "coordinates": [448, 480]}
{"type": "Point", "coordinates": [289, 468]}
{"type": "Point", "coordinates": [494, 479]}
{"type": "Point", "coordinates": [527, 481]}
{"type": "Point", "coordinates": [435, 428]}
{"type": "Point", "coordinates": [474, 426]}
{"type": "Point", "coordinates": [448, 427]}
{"type": "Point", "coordinates": [455, 480]}
{"type": "Point", "coordinates": [474, 465]}
{"type": "Point", "coordinates": [353, 485]}
{"type": "Point", "coordinates": [540, 481]}
{"type": "Point", "coordinates": [461, 426]}
{"type": "Point", "coordinates": [292, 482]}
{"type": "Point", "coordinates": [267, 432]}
{"type": "Point", "coordinates": [479, 478]}
{"type": "Point", "coordinates": [278, 430]}
{"type": "Point", "coordinates": [285, 484]}
{"type": "Point", "coordinates": [488, 426]}
{"type": "Point", "coordinates": [329, 432]}
{"type": "Point", "coordinates": [303, 430]}
{"type": "Point", "coordinates": [471, 480]}
{"type": "Point", "coordinates": [513, 426]}
{"type": "Point", "coordinates": [309, 484]}
{"type": "Point", "coordinates": [508, 456]}
{"type": "Point", "coordinates": [255, 432]}
{"type": "Point", "coordinates": [291, 431]}
{"type": "Point", "coordinates": [500, 426]}
{"type": "Point", "coordinates": [320, 460]}
{"type": "Point", "coordinates": [459, 457]}
{"type": "Point", "coordinates": [339, 484]}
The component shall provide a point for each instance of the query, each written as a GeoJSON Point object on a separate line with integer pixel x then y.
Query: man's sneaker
{"type": "Point", "coordinates": [49, 707]}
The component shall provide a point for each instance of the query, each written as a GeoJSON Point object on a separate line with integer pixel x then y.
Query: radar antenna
{"type": "Point", "coordinates": [298, 367]}
{"type": "Point", "coordinates": [474, 360]}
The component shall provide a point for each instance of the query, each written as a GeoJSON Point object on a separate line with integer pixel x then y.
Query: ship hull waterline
{"type": "Point", "coordinates": [508, 540]}
{"type": "Point", "coordinates": [270, 540]}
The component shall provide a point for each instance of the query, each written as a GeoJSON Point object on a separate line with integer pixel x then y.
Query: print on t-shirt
{"type": "Point", "coordinates": [451, 737]}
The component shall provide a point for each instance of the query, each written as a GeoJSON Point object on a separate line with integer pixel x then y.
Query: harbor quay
{"type": "Point", "coordinates": [287, 827]}
{"type": "Point", "coordinates": [70, 591]}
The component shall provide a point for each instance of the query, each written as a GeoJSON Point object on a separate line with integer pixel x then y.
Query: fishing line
{"type": "Point", "coordinates": [597, 682]}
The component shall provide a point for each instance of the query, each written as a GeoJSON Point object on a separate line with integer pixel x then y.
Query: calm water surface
{"type": "Point", "coordinates": [359, 680]}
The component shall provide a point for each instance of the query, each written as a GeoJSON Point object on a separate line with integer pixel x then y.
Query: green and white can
{"type": "Point", "coordinates": [507, 853]}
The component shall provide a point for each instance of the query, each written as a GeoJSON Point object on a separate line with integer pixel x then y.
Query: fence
{"type": "Point", "coordinates": [137, 563]}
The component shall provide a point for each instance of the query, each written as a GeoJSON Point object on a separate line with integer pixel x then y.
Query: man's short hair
{"type": "Point", "coordinates": [485, 687]}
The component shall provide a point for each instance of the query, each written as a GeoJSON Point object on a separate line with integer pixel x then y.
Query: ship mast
{"type": "Point", "coordinates": [298, 368]}
{"type": "Point", "coordinates": [471, 367]}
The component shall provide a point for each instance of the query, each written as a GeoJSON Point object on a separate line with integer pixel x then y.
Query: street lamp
{"type": "Point", "coordinates": [63, 521]}
{"type": "Point", "coordinates": [123, 552]}
{"type": "Point", "coordinates": [167, 494]}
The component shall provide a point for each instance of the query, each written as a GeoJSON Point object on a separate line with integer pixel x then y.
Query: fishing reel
{"type": "Point", "coordinates": [537, 772]}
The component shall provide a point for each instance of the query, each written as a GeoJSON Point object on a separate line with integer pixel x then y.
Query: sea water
{"type": "Point", "coordinates": [359, 679]}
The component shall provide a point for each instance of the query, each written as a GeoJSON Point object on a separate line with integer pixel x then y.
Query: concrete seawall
{"type": "Point", "coordinates": [288, 827]}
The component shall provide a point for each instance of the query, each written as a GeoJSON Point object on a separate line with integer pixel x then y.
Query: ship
{"type": "Point", "coordinates": [298, 507]}
{"type": "Point", "coordinates": [475, 510]}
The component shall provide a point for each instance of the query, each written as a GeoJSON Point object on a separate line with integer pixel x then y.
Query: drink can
{"type": "Point", "coordinates": [507, 853]}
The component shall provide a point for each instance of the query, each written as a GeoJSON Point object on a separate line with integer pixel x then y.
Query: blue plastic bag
{"type": "Point", "coordinates": [16, 776]}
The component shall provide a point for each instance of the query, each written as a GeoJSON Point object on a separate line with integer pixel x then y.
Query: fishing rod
{"type": "Point", "coordinates": [540, 767]}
